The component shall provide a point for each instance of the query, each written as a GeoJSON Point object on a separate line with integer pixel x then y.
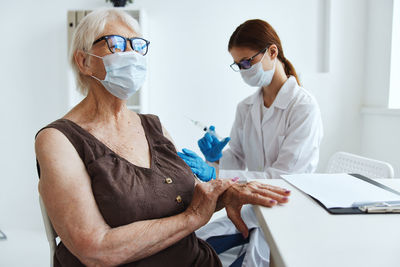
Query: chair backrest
{"type": "Point", "coordinates": [50, 233]}
{"type": "Point", "coordinates": [343, 162]}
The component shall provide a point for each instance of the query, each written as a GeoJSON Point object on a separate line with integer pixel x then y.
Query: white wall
{"type": "Point", "coordinates": [33, 93]}
{"type": "Point", "coordinates": [377, 64]}
{"type": "Point", "coordinates": [189, 75]}
{"type": "Point", "coordinates": [380, 138]}
{"type": "Point", "coordinates": [380, 127]}
{"type": "Point", "coordinates": [201, 71]}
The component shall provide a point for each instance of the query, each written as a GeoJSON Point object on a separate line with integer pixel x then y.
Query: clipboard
{"type": "Point", "coordinates": [367, 208]}
{"type": "Point", "coordinates": [356, 190]}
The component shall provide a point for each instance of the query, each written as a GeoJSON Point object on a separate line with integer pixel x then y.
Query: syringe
{"type": "Point", "coordinates": [205, 128]}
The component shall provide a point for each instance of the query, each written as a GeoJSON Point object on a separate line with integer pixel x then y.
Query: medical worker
{"type": "Point", "coordinates": [277, 129]}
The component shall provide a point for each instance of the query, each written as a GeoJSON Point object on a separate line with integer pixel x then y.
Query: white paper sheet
{"type": "Point", "coordinates": [339, 190]}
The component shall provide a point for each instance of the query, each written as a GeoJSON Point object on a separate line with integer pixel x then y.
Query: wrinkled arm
{"type": "Point", "coordinates": [254, 193]}
{"type": "Point", "coordinates": [65, 188]}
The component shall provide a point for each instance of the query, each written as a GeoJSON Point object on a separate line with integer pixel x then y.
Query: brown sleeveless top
{"type": "Point", "coordinates": [126, 193]}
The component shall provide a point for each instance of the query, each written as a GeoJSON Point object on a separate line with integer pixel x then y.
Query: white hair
{"type": "Point", "coordinates": [90, 27]}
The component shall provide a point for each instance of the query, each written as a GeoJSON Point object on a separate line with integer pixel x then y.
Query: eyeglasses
{"type": "Point", "coordinates": [246, 63]}
{"type": "Point", "coordinates": [117, 43]}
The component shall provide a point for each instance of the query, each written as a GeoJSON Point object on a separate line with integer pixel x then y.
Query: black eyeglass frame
{"type": "Point", "coordinates": [105, 37]}
{"type": "Point", "coordinates": [248, 61]}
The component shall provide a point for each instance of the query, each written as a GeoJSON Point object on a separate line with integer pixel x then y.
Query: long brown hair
{"type": "Point", "coordinates": [258, 34]}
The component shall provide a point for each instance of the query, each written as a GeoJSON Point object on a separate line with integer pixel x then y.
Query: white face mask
{"type": "Point", "coordinates": [125, 73]}
{"type": "Point", "coordinates": [256, 76]}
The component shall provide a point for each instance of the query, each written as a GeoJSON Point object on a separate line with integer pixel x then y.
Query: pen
{"type": "Point", "coordinates": [381, 208]}
{"type": "Point", "coordinates": [379, 203]}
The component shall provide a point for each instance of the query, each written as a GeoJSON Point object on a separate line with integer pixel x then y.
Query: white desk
{"type": "Point", "coordinates": [301, 233]}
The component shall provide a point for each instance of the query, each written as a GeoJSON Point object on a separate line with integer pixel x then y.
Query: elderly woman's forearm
{"type": "Point", "coordinates": [137, 240]}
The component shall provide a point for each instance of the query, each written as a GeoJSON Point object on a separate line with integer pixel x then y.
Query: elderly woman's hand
{"type": "Point", "coordinates": [250, 193]}
{"type": "Point", "coordinates": [204, 201]}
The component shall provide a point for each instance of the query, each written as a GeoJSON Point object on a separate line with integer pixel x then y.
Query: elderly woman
{"type": "Point", "coordinates": [113, 185]}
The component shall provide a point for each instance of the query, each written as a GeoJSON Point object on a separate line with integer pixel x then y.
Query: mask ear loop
{"type": "Point", "coordinates": [252, 66]}
{"type": "Point", "coordinates": [274, 63]}
{"type": "Point", "coordinates": [97, 57]}
{"type": "Point", "coordinates": [274, 59]}
{"type": "Point", "coordinates": [266, 51]}
{"type": "Point", "coordinates": [273, 68]}
{"type": "Point", "coordinates": [93, 55]}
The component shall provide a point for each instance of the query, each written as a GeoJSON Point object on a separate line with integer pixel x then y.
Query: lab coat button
{"type": "Point", "coordinates": [179, 199]}
{"type": "Point", "coordinates": [168, 180]}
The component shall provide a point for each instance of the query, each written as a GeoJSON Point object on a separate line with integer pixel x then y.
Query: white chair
{"type": "Point", "coordinates": [343, 162]}
{"type": "Point", "coordinates": [50, 233]}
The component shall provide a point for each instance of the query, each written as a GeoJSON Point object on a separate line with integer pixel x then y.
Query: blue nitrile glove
{"type": "Point", "coordinates": [211, 147]}
{"type": "Point", "coordinates": [198, 165]}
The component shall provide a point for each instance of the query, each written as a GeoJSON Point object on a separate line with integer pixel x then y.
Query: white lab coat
{"type": "Point", "coordinates": [282, 139]}
{"type": "Point", "coordinates": [286, 139]}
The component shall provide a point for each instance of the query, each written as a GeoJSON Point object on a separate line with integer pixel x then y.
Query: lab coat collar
{"type": "Point", "coordinates": [254, 98]}
{"type": "Point", "coordinates": [285, 95]}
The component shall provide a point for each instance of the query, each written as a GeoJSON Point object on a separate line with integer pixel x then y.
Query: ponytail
{"type": "Point", "coordinates": [289, 69]}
